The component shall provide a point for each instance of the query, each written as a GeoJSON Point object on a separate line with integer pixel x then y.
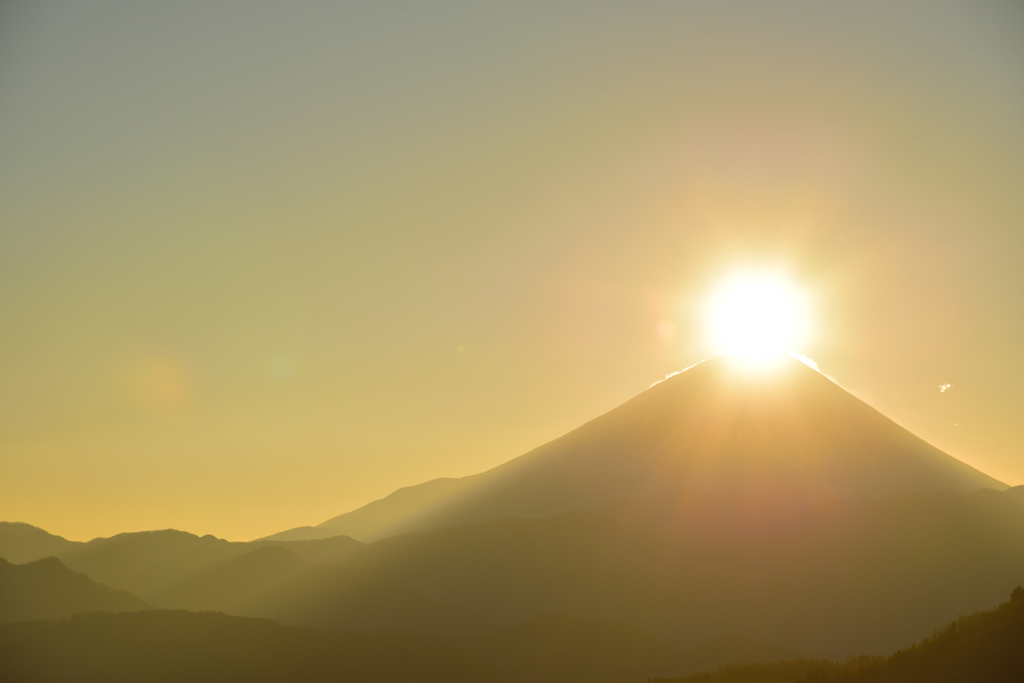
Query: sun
{"type": "Point", "coordinates": [756, 316]}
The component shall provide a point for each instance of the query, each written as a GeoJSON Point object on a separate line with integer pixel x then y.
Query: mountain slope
{"type": "Point", "coordinates": [149, 563]}
{"type": "Point", "coordinates": [174, 646]}
{"type": "Point", "coordinates": [162, 646]}
{"type": "Point", "coordinates": [46, 589]}
{"type": "Point", "coordinates": [21, 543]}
{"type": "Point", "coordinates": [979, 647]}
{"type": "Point", "coordinates": [330, 550]}
{"type": "Point", "coordinates": [834, 579]}
{"type": "Point", "coordinates": [390, 513]}
{"type": "Point", "coordinates": [789, 436]}
{"type": "Point", "coordinates": [1017, 493]}
{"type": "Point", "coordinates": [228, 587]}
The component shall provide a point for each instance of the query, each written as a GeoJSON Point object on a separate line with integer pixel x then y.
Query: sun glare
{"type": "Point", "coordinates": [756, 317]}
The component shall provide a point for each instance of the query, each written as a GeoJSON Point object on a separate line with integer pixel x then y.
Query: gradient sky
{"type": "Point", "coordinates": [261, 263]}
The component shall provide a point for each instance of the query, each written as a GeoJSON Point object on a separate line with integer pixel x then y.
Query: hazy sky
{"type": "Point", "coordinates": [261, 263]}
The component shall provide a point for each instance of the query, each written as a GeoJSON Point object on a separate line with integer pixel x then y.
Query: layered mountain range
{"type": "Point", "coordinates": [735, 513]}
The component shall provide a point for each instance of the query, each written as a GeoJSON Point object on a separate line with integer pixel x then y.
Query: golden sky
{"type": "Point", "coordinates": [261, 263]}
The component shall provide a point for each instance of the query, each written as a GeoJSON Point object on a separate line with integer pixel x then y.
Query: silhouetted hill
{"type": "Point", "coordinates": [1016, 492]}
{"type": "Point", "coordinates": [792, 671]}
{"type": "Point", "coordinates": [158, 646]}
{"type": "Point", "coordinates": [331, 550]}
{"type": "Point", "coordinates": [21, 543]}
{"type": "Point", "coordinates": [558, 649]}
{"type": "Point", "coordinates": [301, 533]}
{"type": "Point", "coordinates": [175, 645]}
{"type": "Point", "coordinates": [230, 587]}
{"type": "Point", "coordinates": [149, 563]}
{"type": "Point", "coordinates": [162, 646]}
{"type": "Point", "coordinates": [730, 649]}
{"type": "Point", "coordinates": [46, 589]}
{"type": "Point", "coordinates": [982, 647]}
{"type": "Point", "coordinates": [394, 513]}
{"type": "Point", "coordinates": [789, 436]}
{"type": "Point", "coordinates": [834, 579]}
{"type": "Point", "coordinates": [987, 646]}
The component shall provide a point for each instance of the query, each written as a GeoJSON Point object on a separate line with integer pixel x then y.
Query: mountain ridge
{"type": "Point", "coordinates": [47, 589]}
{"type": "Point", "coordinates": [790, 435]}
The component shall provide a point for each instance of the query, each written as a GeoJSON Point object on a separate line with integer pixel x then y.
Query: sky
{"type": "Point", "coordinates": [262, 263]}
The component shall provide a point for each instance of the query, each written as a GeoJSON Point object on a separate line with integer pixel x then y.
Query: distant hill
{"type": "Point", "coordinates": [1017, 493]}
{"type": "Point", "coordinates": [330, 550]}
{"type": "Point", "coordinates": [831, 580]}
{"type": "Point", "coordinates": [301, 533]}
{"type": "Point", "coordinates": [551, 649]}
{"type": "Point", "coordinates": [150, 563]}
{"type": "Point", "coordinates": [558, 648]}
{"type": "Point", "coordinates": [791, 671]}
{"type": "Point", "coordinates": [46, 589]}
{"type": "Point", "coordinates": [730, 649]}
{"type": "Point", "coordinates": [21, 543]}
{"type": "Point", "coordinates": [177, 645]}
{"type": "Point", "coordinates": [982, 647]}
{"type": "Point", "coordinates": [162, 646]}
{"type": "Point", "coordinates": [789, 436]}
{"type": "Point", "coordinates": [231, 586]}
{"type": "Point", "coordinates": [159, 646]}
{"type": "Point", "coordinates": [988, 646]}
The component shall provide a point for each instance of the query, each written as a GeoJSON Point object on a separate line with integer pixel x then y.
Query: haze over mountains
{"type": "Point", "coordinates": [787, 435]}
{"type": "Point", "coordinates": [149, 563]}
{"type": "Point", "coordinates": [722, 515]}
{"type": "Point", "coordinates": [46, 589]}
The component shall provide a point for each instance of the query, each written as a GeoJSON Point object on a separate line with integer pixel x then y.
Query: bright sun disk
{"type": "Point", "coordinates": [756, 317]}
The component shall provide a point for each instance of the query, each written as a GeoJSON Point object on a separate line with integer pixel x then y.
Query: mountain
{"type": "Point", "coordinates": [833, 579]}
{"type": "Point", "coordinates": [176, 645]}
{"type": "Point", "coordinates": [731, 649]}
{"type": "Point", "coordinates": [393, 513]}
{"type": "Point", "coordinates": [230, 586]}
{"type": "Point", "coordinates": [46, 589]}
{"type": "Point", "coordinates": [159, 646]}
{"type": "Point", "coordinates": [330, 550]}
{"type": "Point", "coordinates": [166, 647]}
{"type": "Point", "coordinates": [300, 533]}
{"type": "Point", "coordinates": [553, 649]}
{"type": "Point", "coordinates": [787, 435]}
{"type": "Point", "coordinates": [980, 647]}
{"type": "Point", "coordinates": [149, 563]}
{"type": "Point", "coordinates": [1017, 493]}
{"type": "Point", "coordinates": [21, 543]}
{"type": "Point", "coordinates": [790, 671]}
